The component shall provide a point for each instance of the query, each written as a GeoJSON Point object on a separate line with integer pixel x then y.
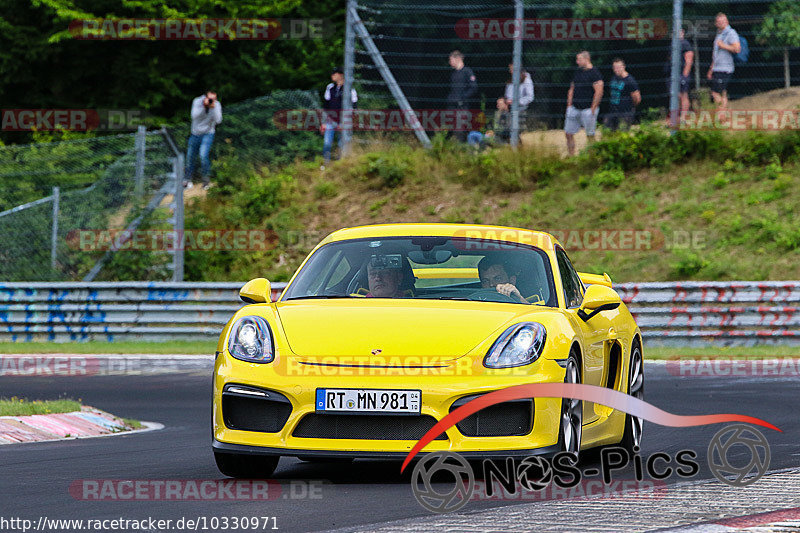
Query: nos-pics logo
{"type": "Point", "coordinates": [444, 481]}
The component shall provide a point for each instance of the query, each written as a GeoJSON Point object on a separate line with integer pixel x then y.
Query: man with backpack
{"type": "Point", "coordinates": [726, 45]}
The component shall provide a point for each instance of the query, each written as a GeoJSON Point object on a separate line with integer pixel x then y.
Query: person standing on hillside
{"type": "Point", "coordinates": [623, 99]}
{"type": "Point", "coordinates": [726, 45]}
{"type": "Point", "coordinates": [463, 86]}
{"type": "Point", "coordinates": [525, 94]}
{"type": "Point", "coordinates": [206, 114]}
{"type": "Point", "coordinates": [332, 106]}
{"type": "Point", "coordinates": [583, 100]}
{"type": "Point", "coordinates": [687, 61]}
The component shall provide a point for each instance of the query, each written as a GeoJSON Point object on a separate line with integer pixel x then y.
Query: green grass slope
{"type": "Point", "coordinates": [703, 205]}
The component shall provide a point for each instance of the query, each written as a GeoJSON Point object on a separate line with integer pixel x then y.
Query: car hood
{"type": "Point", "coordinates": [398, 328]}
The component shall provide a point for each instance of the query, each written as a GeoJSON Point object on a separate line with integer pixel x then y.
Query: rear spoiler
{"type": "Point", "coordinates": [595, 279]}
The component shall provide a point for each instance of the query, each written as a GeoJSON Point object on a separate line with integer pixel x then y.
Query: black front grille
{"type": "Point", "coordinates": [377, 427]}
{"type": "Point", "coordinates": [251, 409]}
{"type": "Point", "coordinates": [507, 419]}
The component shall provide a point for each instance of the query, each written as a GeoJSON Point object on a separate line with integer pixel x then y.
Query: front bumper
{"type": "Point", "coordinates": [439, 392]}
{"type": "Point", "coordinates": [242, 449]}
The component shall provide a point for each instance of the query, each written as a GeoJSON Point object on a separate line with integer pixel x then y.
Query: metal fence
{"type": "Point", "coordinates": [412, 41]}
{"type": "Point", "coordinates": [89, 194]}
{"type": "Point", "coordinates": [100, 187]}
{"type": "Point", "coordinates": [678, 314]}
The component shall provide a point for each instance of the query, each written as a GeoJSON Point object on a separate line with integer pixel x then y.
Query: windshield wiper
{"type": "Point", "coordinates": [458, 298]}
{"type": "Point", "coordinates": [321, 296]}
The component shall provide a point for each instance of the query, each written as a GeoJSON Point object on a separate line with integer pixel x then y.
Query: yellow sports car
{"type": "Point", "coordinates": [386, 329]}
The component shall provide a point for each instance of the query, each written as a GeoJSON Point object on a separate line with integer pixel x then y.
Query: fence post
{"type": "Point", "coordinates": [517, 75]}
{"type": "Point", "coordinates": [696, 62]}
{"type": "Point", "coordinates": [388, 77]}
{"type": "Point", "coordinates": [140, 144]}
{"type": "Point", "coordinates": [787, 77]}
{"type": "Point", "coordinates": [675, 74]}
{"type": "Point", "coordinates": [346, 118]}
{"type": "Point", "coordinates": [177, 225]}
{"type": "Point", "coordinates": [54, 234]}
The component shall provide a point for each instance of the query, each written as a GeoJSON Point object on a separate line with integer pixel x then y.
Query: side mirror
{"type": "Point", "coordinates": [256, 291]}
{"type": "Point", "coordinates": [596, 299]}
{"type": "Point", "coordinates": [595, 279]}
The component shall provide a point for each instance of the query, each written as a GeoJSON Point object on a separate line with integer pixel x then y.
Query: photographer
{"type": "Point", "coordinates": [206, 114]}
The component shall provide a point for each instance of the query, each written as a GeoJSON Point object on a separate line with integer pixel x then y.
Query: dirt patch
{"type": "Point", "coordinates": [777, 99]}
{"type": "Point", "coordinates": [554, 140]}
{"type": "Point", "coordinates": [117, 220]}
{"type": "Point", "coordinates": [195, 192]}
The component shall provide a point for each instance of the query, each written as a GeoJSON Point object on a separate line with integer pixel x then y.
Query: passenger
{"type": "Point", "coordinates": [494, 275]}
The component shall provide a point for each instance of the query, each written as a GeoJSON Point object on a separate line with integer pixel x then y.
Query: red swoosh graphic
{"type": "Point", "coordinates": [591, 393]}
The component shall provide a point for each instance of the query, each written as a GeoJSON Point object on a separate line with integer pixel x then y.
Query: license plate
{"type": "Point", "coordinates": [368, 401]}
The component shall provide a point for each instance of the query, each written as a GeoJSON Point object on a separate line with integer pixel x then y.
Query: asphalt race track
{"type": "Point", "coordinates": [36, 478]}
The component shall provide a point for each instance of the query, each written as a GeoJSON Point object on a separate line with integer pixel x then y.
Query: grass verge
{"type": "Point", "coordinates": [133, 424]}
{"type": "Point", "coordinates": [20, 407]}
{"type": "Point", "coordinates": [721, 352]}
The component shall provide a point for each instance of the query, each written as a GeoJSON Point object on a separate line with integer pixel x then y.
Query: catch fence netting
{"type": "Point", "coordinates": [97, 195]}
{"type": "Point", "coordinates": [415, 39]}
{"type": "Point", "coordinates": [100, 196]}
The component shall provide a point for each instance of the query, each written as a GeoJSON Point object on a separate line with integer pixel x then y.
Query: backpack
{"type": "Point", "coordinates": [744, 53]}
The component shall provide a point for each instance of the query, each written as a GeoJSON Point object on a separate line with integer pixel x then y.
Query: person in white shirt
{"type": "Point", "coordinates": [726, 45]}
{"type": "Point", "coordinates": [525, 94]}
{"type": "Point", "coordinates": [206, 114]}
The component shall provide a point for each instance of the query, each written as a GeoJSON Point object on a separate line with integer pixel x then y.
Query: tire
{"type": "Point", "coordinates": [246, 466]}
{"type": "Point", "coordinates": [632, 436]}
{"type": "Point", "coordinates": [571, 427]}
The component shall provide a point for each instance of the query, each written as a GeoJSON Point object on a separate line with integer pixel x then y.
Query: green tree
{"type": "Point", "coordinates": [781, 31]}
{"type": "Point", "coordinates": [45, 67]}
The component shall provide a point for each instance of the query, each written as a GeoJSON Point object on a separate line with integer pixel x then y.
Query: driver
{"type": "Point", "coordinates": [494, 275]}
{"type": "Point", "coordinates": [385, 276]}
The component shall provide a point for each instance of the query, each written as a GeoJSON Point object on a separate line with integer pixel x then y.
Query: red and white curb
{"type": "Point", "coordinates": [783, 520]}
{"type": "Point", "coordinates": [86, 423]}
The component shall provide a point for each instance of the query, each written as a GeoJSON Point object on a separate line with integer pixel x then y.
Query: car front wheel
{"type": "Point", "coordinates": [633, 425]}
{"type": "Point", "coordinates": [571, 410]}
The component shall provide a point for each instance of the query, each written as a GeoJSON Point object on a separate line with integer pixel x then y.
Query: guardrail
{"type": "Point", "coordinates": [113, 311]}
{"type": "Point", "coordinates": [709, 312]}
{"type": "Point", "coordinates": [685, 313]}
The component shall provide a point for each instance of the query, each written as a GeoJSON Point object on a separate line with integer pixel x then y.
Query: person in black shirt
{"type": "Point", "coordinates": [624, 97]}
{"type": "Point", "coordinates": [583, 100]}
{"type": "Point", "coordinates": [463, 87]}
{"type": "Point", "coordinates": [687, 60]}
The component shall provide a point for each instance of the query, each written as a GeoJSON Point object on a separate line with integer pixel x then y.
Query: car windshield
{"type": "Point", "coordinates": [431, 268]}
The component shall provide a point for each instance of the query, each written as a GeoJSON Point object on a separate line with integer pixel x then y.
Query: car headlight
{"type": "Point", "coordinates": [521, 344]}
{"type": "Point", "coordinates": [251, 340]}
